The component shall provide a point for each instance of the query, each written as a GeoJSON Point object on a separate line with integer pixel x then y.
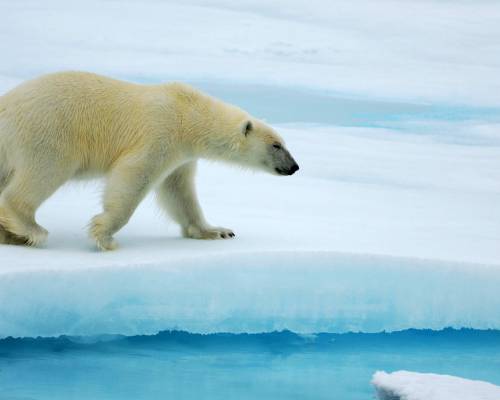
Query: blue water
{"type": "Point", "coordinates": [278, 365]}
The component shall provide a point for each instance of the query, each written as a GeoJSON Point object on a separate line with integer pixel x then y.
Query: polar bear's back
{"type": "Point", "coordinates": [85, 117]}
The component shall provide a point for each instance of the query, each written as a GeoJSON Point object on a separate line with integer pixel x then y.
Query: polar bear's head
{"type": "Point", "coordinates": [259, 146]}
{"type": "Point", "coordinates": [220, 131]}
{"type": "Point", "coordinates": [249, 142]}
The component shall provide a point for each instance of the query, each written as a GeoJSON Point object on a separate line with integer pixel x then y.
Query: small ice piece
{"type": "Point", "coordinates": [405, 385]}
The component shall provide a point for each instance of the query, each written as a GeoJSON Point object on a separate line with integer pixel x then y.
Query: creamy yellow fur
{"type": "Point", "coordinates": [79, 125]}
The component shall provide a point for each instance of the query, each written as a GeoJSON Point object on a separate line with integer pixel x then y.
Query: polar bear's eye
{"type": "Point", "coordinates": [277, 146]}
{"type": "Point", "coordinates": [247, 128]}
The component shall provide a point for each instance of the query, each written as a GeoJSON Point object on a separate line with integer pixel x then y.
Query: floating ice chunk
{"type": "Point", "coordinates": [405, 385]}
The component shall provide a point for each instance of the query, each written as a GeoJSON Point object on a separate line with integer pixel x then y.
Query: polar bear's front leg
{"type": "Point", "coordinates": [177, 196]}
{"type": "Point", "coordinates": [127, 185]}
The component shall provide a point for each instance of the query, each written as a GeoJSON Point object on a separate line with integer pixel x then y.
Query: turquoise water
{"type": "Point", "coordinates": [279, 365]}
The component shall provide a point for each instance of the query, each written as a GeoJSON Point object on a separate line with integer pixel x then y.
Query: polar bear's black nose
{"type": "Point", "coordinates": [289, 171]}
{"type": "Point", "coordinates": [294, 168]}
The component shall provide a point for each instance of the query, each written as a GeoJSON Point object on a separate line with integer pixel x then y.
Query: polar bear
{"type": "Point", "coordinates": [71, 125]}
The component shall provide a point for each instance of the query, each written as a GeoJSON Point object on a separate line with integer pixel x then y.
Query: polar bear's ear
{"type": "Point", "coordinates": [247, 127]}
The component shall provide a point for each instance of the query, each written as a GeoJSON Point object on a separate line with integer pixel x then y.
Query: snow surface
{"type": "Point", "coordinates": [391, 220]}
{"type": "Point", "coordinates": [404, 385]}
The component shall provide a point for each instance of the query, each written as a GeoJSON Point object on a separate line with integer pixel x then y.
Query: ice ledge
{"type": "Point", "coordinates": [404, 385]}
{"type": "Point", "coordinates": [250, 292]}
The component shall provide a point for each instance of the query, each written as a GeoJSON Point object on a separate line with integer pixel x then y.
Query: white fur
{"type": "Point", "coordinates": [80, 125]}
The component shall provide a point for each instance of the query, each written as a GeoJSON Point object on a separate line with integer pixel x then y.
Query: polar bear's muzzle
{"type": "Point", "coordinates": [283, 162]}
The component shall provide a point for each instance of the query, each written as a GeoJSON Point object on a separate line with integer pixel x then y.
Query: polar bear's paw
{"type": "Point", "coordinates": [106, 244]}
{"type": "Point", "coordinates": [208, 233]}
{"type": "Point", "coordinates": [36, 236]}
{"type": "Point", "coordinates": [98, 231]}
{"type": "Point", "coordinates": [33, 235]}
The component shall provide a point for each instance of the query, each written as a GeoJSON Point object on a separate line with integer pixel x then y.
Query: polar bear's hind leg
{"type": "Point", "coordinates": [21, 196]}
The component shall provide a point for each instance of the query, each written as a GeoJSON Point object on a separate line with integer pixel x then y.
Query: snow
{"type": "Point", "coordinates": [404, 385]}
{"type": "Point", "coordinates": [392, 217]}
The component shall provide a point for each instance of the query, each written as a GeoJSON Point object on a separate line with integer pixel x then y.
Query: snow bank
{"type": "Point", "coordinates": [404, 385]}
{"type": "Point", "coordinates": [433, 235]}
